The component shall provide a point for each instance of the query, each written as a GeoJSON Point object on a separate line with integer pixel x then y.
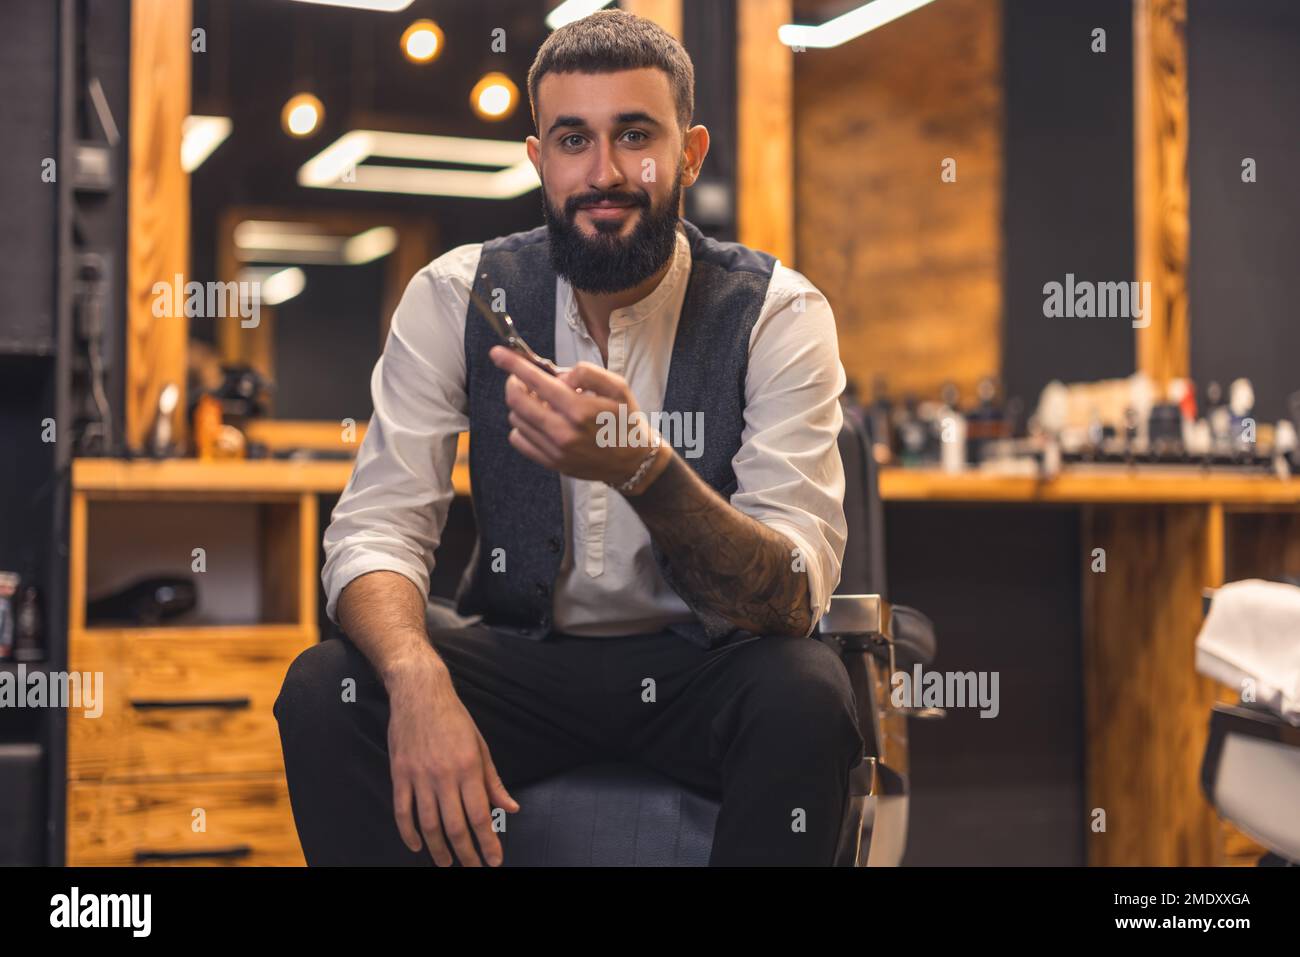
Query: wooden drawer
{"type": "Point", "coordinates": [247, 820]}
{"type": "Point", "coordinates": [181, 701]}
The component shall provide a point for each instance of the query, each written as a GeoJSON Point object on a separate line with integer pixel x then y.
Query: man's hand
{"type": "Point", "coordinates": [437, 757]}
{"type": "Point", "coordinates": [726, 566]}
{"type": "Point", "coordinates": [571, 423]}
{"type": "Point", "coordinates": [440, 761]}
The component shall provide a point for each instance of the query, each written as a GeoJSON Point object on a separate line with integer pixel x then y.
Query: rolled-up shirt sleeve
{"type": "Point", "coordinates": [789, 473]}
{"type": "Point", "coordinates": [391, 514]}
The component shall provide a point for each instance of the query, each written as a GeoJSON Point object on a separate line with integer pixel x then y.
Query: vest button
{"type": "Point", "coordinates": [542, 589]}
{"type": "Point", "coordinates": [553, 544]}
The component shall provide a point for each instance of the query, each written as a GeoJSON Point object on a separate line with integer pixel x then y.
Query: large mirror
{"type": "Point", "coordinates": [331, 154]}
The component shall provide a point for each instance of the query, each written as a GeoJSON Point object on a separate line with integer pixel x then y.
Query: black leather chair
{"type": "Point", "coordinates": [624, 814]}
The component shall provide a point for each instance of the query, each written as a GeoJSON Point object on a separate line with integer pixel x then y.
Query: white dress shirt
{"type": "Point", "coordinates": [788, 468]}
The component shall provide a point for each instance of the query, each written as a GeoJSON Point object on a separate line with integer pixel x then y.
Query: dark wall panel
{"type": "Point", "coordinates": [1068, 199]}
{"type": "Point", "coordinates": [1243, 62]}
{"type": "Point", "coordinates": [29, 60]}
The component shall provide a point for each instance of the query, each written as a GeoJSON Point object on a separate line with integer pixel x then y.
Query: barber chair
{"type": "Point", "coordinates": [1250, 773]}
{"type": "Point", "coordinates": [624, 814]}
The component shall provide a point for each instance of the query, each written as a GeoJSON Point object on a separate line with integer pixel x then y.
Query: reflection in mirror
{"type": "Point", "coordinates": [324, 285]}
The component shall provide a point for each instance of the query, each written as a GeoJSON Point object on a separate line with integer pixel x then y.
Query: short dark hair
{"type": "Point", "coordinates": [611, 40]}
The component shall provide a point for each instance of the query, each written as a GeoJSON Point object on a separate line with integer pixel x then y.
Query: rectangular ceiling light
{"type": "Point", "coordinates": [342, 165]}
{"type": "Point", "coordinates": [200, 135]}
{"type": "Point", "coordinates": [571, 10]}
{"type": "Point", "coordinates": [274, 285]}
{"type": "Point", "coordinates": [383, 6]}
{"type": "Point", "coordinates": [847, 26]}
{"type": "Point", "coordinates": [268, 241]}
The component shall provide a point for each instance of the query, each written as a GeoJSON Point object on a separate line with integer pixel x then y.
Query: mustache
{"type": "Point", "coordinates": [631, 199]}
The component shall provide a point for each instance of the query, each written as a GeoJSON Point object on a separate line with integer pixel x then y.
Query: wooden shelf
{"type": "Point", "coordinates": [118, 478]}
{"type": "Point", "coordinates": [1137, 487]}
{"type": "Point", "coordinates": [198, 632]}
{"type": "Point", "coordinates": [111, 477]}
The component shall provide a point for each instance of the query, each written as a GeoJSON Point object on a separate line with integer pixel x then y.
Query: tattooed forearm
{"type": "Point", "coordinates": [725, 564]}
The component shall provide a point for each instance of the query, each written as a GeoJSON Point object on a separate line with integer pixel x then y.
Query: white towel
{"type": "Point", "coordinates": [1253, 632]}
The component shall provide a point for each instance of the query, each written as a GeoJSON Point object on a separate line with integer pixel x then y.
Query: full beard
{"type": "Point", "coordinates": [607, 262]}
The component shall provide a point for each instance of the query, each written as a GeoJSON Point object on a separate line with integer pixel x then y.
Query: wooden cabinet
{"type": "Point", "coordinates": [179, 760]}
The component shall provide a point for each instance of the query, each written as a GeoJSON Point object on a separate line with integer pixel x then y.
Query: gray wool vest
{"type": "Point", "coordinates": [518, 506]}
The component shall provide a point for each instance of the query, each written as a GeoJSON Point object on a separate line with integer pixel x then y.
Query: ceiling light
{"type": "Point", "coordinates": [302, 115]}
{"type": "Point", "coordinates": [342, 165]}
{"type": "Point", "coordinates": [371, 245]}
{"type": "Point", "coordinates": [270, 241]}
{"type": "Point", "coordinates": [274, 286]}
{"type": "Point", "coordinates": [200, 135]}
{"type": "Point", "coordinates": [422, 41]}
{"type": "Point", "coordinates": [383, 6]}
{"type": "Point", "coordinates": [494, 97]}
{"type": "Point", "coordinates": [571, 10]}
{"type": "Point", "coordinates": [849, 25]}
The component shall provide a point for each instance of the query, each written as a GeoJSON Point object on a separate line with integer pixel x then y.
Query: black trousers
{"type": "Point", "coordinates": [767, 724]}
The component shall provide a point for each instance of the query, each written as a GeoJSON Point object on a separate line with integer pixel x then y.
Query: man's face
{"type": "Point", "coordinates": [610, 157]}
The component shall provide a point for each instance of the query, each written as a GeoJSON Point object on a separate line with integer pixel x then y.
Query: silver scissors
{"type": "Point", "coordinates": [504, 327]}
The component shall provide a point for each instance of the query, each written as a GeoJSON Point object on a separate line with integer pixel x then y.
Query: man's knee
{"type": "Point", "coordinates": [802, 686]}
{"type": "Point", "coordinates": [321, 677]}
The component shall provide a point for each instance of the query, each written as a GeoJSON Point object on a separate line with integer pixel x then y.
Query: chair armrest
{"type": "Point", "coordinates": [858, 620]}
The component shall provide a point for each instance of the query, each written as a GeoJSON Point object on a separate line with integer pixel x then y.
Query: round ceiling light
{"type": "Point", "coordinates": [494, 97]}
{"type": "Point", "coordinates": [302, 115]}
{"type": "Point", "coordinates": [422, 41]}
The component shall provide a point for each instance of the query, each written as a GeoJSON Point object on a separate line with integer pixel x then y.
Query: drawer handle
{"type": "Point", "coordinates": [224, 853]}
{"type": "Point", "coordinates": [153, 704]}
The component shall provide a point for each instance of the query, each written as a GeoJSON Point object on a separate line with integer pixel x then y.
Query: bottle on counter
{"type": "Point", "coordinates": [1219, 417]}
{"type": "Point", "coordinates": [8, 613]}
{"type": "Point", "coordinates": [29, 630]}
{"type": "Point", "coordinates": [987, 423]}
{"type": "Point", "coordinates": [911, 433]}
{"type": "Point", "coordinates": [951, 426]}
{"type": "Point", "coordinates": [1241, 406]}
{"type": "Point", "coordinates": [880, 415]}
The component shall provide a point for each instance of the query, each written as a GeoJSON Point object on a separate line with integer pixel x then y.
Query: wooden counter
{"type": "Point", "coordinates": [1159, 487]}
